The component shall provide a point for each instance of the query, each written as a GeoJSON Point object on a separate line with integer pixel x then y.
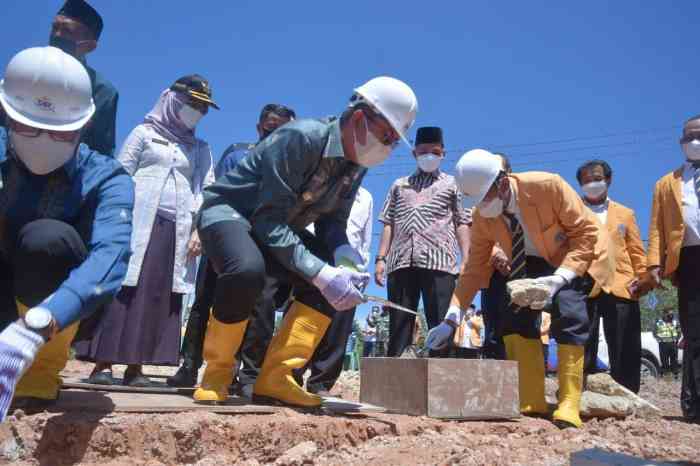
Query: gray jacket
{"type": "Point", "coordinates": [295, 177]}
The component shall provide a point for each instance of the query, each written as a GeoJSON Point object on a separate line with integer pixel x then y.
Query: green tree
{"type": "Point", "coordinates": [664, 299]}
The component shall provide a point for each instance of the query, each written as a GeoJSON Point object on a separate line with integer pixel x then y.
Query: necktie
{"type": "Point", "coordinates": [517, 263]}
{"type": "Point", "coordinates": [696, 179]}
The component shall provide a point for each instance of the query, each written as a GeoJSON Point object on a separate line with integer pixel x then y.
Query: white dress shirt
{"type": "Point", "coordinates": [359, 228]}
{"type": "Point", "coordinates": [600, 210]}
{"type": "Point", "coordinates": [691, 212]}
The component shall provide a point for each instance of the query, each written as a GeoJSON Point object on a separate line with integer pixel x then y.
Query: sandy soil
{"type": "Point", "coordinates": [294, 437]}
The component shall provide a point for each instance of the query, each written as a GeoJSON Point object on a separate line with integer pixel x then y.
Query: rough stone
{"type": "Point", "coordinates": [527, 292]}
{"type": "Point", "coordinates": [606, 398]}
{"type": "Point", "coordinates": [302, 453]}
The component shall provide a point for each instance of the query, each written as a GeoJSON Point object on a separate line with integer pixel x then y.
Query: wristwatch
{"type": "Point", "coordinates": [39, 320]}
{"type": "Point", "coordinates": [379, 259]}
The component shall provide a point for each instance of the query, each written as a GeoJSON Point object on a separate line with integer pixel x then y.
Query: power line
{"type": "Point", "coordinates": [399, 169]}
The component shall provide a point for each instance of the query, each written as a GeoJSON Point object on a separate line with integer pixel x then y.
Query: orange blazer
{"type": "Point", "coordinates": [630, 257]}
{"type": "Point", "coordinates": [564, 231]}
{"type": "Point", "coordinates": [667, 226]}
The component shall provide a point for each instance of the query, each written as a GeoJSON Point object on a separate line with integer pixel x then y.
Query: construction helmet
{"type": "Point", "coordinates": [475, 172]}
{"type": "Point", "coordinates": [46, 88]}
{"type": "Point", "coordinates": [393, 99]}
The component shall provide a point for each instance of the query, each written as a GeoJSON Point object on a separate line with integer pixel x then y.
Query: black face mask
{"type": "Point", "coordinates": [64, 44]}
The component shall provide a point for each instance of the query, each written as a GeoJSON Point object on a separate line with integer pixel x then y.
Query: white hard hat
{"type": "Point", "coordinates": [475, 172]}
{"type": "Point", "coordinates": [46, 88]}
{"type": "Point", "coordinates": [395, 101]}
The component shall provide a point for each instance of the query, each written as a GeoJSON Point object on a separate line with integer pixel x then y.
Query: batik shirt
{"type": "Point", "coordinates": [425, 210]}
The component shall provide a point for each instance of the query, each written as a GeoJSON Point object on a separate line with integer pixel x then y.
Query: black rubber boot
{"type": "Point", "coordinates": [186, 375]}
{"type": "Point", "coordinates": [192, 344]}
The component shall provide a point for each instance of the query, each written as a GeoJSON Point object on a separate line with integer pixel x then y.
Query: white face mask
{"type": "Point", "coordinates": [189, 116]}
{"type": "Point", "coordinates": [373, 152]}
{"type": "Point", "coordinates": [692, 149]}
{"type": "Point", "coordinates": [595, 189]}
{"type": "Point", "coordinates": [42, 155]}
{"type": "Point", "coordinates": [492, 208]}
{"type": "Point", "coordinates": [428, 162]}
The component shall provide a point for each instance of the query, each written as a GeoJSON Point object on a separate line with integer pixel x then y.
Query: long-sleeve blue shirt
{"type": "Point", "coordinates": [92, 193]}
{"type": "Point", "coordinates": [232, 157]}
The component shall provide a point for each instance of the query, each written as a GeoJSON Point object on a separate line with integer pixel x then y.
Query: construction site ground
{"type": "Point", "coordinates": [295, 437]}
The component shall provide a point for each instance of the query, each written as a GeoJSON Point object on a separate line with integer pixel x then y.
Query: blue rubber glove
{"type": "Point", "coordinates": [18, 348]}
{"type": "Point", "coordinates": [341, 287]}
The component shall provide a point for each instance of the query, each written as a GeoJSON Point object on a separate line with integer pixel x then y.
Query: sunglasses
{"type": "Point", "coordinates": [31, 132]}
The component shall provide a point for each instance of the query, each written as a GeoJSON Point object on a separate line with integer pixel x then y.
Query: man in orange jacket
{"type": "Point", "coordinates": [548, 235]}
{"type": "Point", "coordinates": [674, 252]}
{"type": "Point", "coordinates": [619, 308]}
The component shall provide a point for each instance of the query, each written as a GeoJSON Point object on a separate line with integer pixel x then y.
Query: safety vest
{"type": "Point", "coordinates": [666, 331]}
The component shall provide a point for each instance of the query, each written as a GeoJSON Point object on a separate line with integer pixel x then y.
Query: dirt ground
{"type": "Point", "coordinates": [293, 437]}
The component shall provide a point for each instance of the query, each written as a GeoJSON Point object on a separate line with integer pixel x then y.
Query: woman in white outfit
{"type": "Point", "coordinates": [170, 167]}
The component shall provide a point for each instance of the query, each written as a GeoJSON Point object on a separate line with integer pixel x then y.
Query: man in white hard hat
{"type": "Point", "coordinates": [65, 222]}
{"type": "Point", "coordinates": [253, 224]}
{"type": "Point", "coordinates": [549, 235]}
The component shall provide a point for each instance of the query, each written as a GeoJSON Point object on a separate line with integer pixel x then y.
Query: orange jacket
{"type": "Point", "coordinates": [667, 226]}
{"type": "Point", "coordinates": [630, 257]}
{"type": "Point", "coordinates": [564, 231]}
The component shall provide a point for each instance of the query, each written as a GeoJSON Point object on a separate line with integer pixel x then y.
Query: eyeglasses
{"type": "Point", "coordinates": [390, 137]}
{"type": "Point", "coordinates": [32, 132]}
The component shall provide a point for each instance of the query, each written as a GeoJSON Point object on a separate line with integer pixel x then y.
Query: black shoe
{"type": "Point", "coordinates": [186, 376]}
{"type": "Point", "coordinates": [136, 380]}
{"type": "Point", "coordinates": [101, 378]}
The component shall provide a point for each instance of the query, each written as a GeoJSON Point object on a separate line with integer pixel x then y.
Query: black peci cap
{"type": "Point", "coordinates": [81, 11]}
{"type": "Point", "coordinates": [429, 135]}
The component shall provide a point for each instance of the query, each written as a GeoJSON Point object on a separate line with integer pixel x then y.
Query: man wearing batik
{"type": "Point", "coordinates": [425, 230]}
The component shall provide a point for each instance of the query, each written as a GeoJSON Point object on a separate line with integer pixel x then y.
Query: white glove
{"type": "Point", "coordinates": [341, 287]}
{"type": "Point", "coordinates": [536, 294]}
{"type": "Point", "coordinates": [439, 337]}
{"type": "Point", "coordinates": [18, 348]}
{"type": "Point", "coordinates": [346, 256]}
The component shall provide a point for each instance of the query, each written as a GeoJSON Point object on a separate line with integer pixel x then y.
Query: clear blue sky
{"type": "Point", "coordinates": [614, 80]}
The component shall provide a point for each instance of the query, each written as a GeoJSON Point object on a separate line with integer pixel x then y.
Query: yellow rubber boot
{"type": "Point", "coordinates": [570, 386]}
{"type": "Point", "coordinates": [220, 347]}
{"type": "Point", "coordinates": [291, 348]}
{"type": "Point", "coordinates": [42, 379]}
{"type": "Point", "coordinates": [528, 353]}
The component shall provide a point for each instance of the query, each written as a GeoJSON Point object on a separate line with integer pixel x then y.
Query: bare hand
{"type": "Point", "coordinates": [500, 262]}
{"type": "Point", "coordinates": [379, 273]}
{"type": "Point", "coordinates": [194, 247]}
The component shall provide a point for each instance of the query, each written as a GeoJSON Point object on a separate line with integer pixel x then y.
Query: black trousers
{"type": "Point", "coordinates": [37, 261]}
{"type": "Point", "coordinates": [623, 333]}
{"type": "Point", "coordinates": [405, 287]}
{"type": "Point", "coordinates": [668, 352]}
{"type": "Point", "coordinates": [689, 316]}
{"type": "Point", "coordinates": [242, 266]}
{"type": "Point", "coordinates": [327, 361]}
{"type": "Point", "coordinates": [493, 302]}
{"type": "Point", "coordinates": [193, 341]}
{"type": "Point", "coordinates": [569, 313]}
